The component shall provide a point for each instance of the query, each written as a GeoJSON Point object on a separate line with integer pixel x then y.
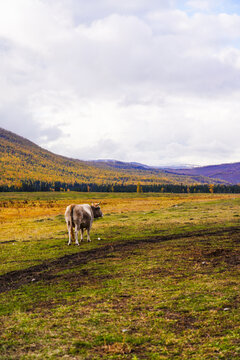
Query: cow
{"type": "Point", "coordinates": [81, 217]}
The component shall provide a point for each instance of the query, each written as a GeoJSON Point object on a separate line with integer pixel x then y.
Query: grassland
{"type": "Point", "coordinates": [162, 283]}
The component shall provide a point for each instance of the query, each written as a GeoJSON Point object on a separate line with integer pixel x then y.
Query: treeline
{"type": "Point", "coordinates": [31, 186]}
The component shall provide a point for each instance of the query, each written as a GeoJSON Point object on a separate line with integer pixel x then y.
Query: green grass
{"type": "Point", "coordinates": [175, 297]}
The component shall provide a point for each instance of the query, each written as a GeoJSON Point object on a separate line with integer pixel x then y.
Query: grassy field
{"type": "Point", "coordinates": [161, 283]}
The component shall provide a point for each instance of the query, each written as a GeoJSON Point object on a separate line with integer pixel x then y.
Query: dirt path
{"type": "Point", "coordinates": [48, 269]}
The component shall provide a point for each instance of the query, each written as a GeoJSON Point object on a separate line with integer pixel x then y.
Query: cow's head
{"type": "Point", "coordinates": [96, 210]}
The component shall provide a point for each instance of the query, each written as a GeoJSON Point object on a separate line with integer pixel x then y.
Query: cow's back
{"type": "Point", "coordinates": [82, 215]}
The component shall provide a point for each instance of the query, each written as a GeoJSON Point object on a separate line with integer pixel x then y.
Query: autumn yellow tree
{"type": "Point", "coordinates": [211, 188]}
{"type": "Point", "coordinates": [139, 188]}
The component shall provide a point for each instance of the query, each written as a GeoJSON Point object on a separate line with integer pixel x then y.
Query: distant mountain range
{"type": "Point", "coordinates": [21, 160]}
{"type": "Point", "coordinates": [227, 172]}
{"type": "Point", "coordinates": [136, 165]}
{"type": "Point", "coordinates": [230, 173]}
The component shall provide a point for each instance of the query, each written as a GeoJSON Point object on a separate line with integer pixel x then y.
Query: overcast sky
{"type": "Point", "coordinates": [152, 81]}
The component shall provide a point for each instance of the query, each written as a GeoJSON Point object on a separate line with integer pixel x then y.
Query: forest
{"type": "Point", "coordinates": [30, 186]}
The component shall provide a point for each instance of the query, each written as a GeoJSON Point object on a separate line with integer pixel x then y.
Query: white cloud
{"type": "Point", "coordinates": [32, 23]}
{"type": "Point", "coordinates": [207, 5]}
{"type": "Point", "coordinates": [83, 11]}
{"type": "Point", "coordinates": [199, 4]}
{"type": "Point", "coordinates": [135, 80]}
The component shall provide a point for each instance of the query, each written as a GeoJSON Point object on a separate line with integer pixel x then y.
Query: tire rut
{"type": "Point", "coordinates": [46, 270]}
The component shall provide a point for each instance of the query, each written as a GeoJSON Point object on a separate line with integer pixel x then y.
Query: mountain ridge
{"type": "Point", "coordinates": [229, 172]}
{"type": "Point", "coordinates": [22, 159]}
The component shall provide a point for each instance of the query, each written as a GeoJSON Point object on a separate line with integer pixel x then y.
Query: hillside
{"type": "Point", "coordinates": [227, 172]}
{"type": "Point", "coordinates": [21, 159]}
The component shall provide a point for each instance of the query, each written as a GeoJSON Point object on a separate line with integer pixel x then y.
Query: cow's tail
{"type": "Point", "coordinates": [71, 221]}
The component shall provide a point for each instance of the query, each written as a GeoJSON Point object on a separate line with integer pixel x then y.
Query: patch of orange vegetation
{"type": "Point", "coordinates": [10, 210]}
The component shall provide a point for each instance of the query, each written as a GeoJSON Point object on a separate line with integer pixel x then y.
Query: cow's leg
{"type": "Point", "coordinates": [88, 235]}
{"type": "Point", "coordinates": [81, 235]}
{"type": "Point", "coordinates": [69, 233]}
{"type": "Point", "coordinates": [76, 235]}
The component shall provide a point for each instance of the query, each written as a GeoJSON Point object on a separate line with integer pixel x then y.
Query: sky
{"type": "Point", "coordinates": [150, 81]}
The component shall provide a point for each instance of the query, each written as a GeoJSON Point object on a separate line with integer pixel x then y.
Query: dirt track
{"type": "Point", "coordinates": [48, 269]}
